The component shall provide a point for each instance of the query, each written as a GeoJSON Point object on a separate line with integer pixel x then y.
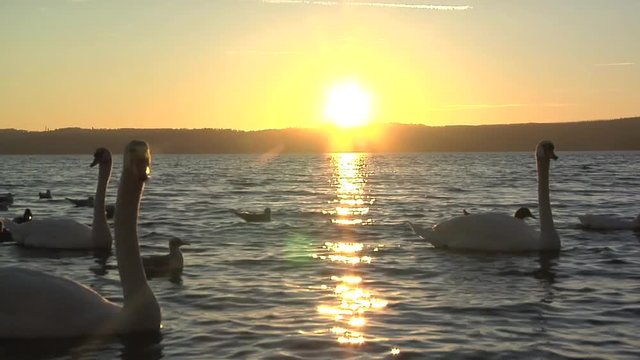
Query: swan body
{"type": "Point", "coordinates": [606, 222]}
{"type": "Point", "coordinates": [53, 233]}
{"type": "Point", "coordinates": [34, 304]}
{"type": "Point", "coordinates": [254, 217]}
{"type": "Point", "coordinates": [497, 232]}
{"type": "Point", "coordinates": [172, 263]}
{"type": "Point", "coordinates": [484, 231]}
{"type": "Point", "coordinates": [66, 233]}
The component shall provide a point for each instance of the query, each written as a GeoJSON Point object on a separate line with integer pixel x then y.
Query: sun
{"type": "Point", "coordinates": [348, 105]}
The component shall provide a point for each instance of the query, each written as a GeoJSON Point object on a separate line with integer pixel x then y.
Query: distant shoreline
{"type": "Point", "coordinates": [604, 135]}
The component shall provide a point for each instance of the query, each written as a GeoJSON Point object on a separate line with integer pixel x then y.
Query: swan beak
{"type": "Point", "coordinates": [551, 154]}
{"type": "Point", "coordinates": [95, 162]}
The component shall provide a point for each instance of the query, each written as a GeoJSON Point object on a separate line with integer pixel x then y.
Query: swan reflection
{"type": "Point", "coordinates": [352, 300]}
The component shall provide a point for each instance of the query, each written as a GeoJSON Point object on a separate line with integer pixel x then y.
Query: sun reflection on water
{"type": "Point", "coordinates": [353, 300]}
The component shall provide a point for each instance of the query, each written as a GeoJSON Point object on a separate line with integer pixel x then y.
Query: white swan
{"type": "Point", "coordinates": [254, 217]}
{"type": "Point", "coordinates": [66, 233]}
{"type": "Point", "coordinates": [606, 222]}
{"type": "Point", "coordinates": [501, 232]}
{"type": "Point", "coordinates": [35, 304]}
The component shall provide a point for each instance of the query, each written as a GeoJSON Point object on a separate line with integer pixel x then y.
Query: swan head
{"type": "Point", "coordinates": [137, 159]}
{"type": "Point", "coordinates": [101, 156]}
{"type": "Point", "coordinates": [523, 213]}
{"type": "Point", "coordinates": [175, 243]}
{"type": "Point", "coordinates": [545, 151]}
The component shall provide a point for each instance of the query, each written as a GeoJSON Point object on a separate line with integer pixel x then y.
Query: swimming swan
{"type": "Point", "coordinates": [606, 222]}
{"type": "Point", "coordinates": [254, 217]}
{"type": "Point", "coordinates": [35, 304]}
{"type": "Point", "coordinates": [88, 202]}
{"type": "Point", "coordinates": [501, 232]}
{"type": "Point", "coordinates": [66, 233]}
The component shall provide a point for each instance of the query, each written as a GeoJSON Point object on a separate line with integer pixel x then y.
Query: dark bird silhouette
{"type": "Point", "coordinates": [45, 195]}
{"type": "Point", "coordinates": [88, 202]}
{"type": "Point", "coordinates": [5, 235]}
{"type": "Point", "coordinates": [27, 216]}
{"type": "Point", "coordinates": [162, 265]}
{"type": "Point", "coordinates": [254, 217]}
{"type": "Point", "coordinates": [110, 210]}
{"type": "Point", "coordinates": [6, 198]}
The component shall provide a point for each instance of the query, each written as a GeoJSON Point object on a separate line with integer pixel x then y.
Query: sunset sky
{"type": "Point", "coordinates": [257, 64]}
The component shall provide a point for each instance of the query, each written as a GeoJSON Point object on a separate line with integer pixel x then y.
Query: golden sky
{"type": "Point", "coordinates": [257, 64]}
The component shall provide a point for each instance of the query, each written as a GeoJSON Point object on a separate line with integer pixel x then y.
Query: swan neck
{"type": "Point", "coordinates": [548, 236]}
{"type": "Point", "coordinates": [141, 310]}
{"type": "Point", "coordinates": [100, 233]}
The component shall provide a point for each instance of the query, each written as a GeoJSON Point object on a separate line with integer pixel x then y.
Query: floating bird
{"type": "Point", "coordinates": [5, 235]}
{"type": "Point", "coordinates": [66, 233]}
{"type": "Point", "coordinates": [27, 216]}
{"type": "Point", "coordinates": [500, 232]}
{"type": "Point", "coordinates": [110, 210]}
{"type": "Point", "coordinates": [6, 198]}
{"type": "Point", "coordinates": [88, 202]}
{"type": "Point", "coordinates": [170, 264]}
{"type": "Point", "coordinates": [606, 222]}
{"type": "Point", "coordinates": [254, 217]}
{"type": "Point", "coordinates": [35, 304]}
{"type": "Point", "coordinates": [45, 195]}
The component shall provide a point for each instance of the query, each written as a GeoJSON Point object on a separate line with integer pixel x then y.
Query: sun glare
{"type": "Point", "coordinates": [348, 105]}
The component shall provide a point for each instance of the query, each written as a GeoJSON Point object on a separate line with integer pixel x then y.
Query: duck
{"type": "Point", "coordinates": [6, 198]}
{"type": "Point", "coordinates": [110, 211]}
{"type": "Point", "coordinates": [27, 216]}
{"type": "Point", "coordinates": [607, 222]}
{"type": "Point", "coordinates": [497, 232]}
{"type": "Point", "coordinates": [45, 195]}
{"type": "Point", "coordinates": [5, 235]}
{"type": "Point", "coordinates": [67, 233]}
{"type": "Point", "coordinates": [254, 217]}
{"type": "Point", "coordinates": [170, 264]}
{"type": "Point", "coordinates": [71, 309]}
{"type": "Point", "coordinates": [522, 213]}
{"type": "Point", "coordinates": [88, 202]}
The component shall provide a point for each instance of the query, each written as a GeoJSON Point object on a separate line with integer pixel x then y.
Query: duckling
{"type": "Point", "coordinates": [254, 217]}
{"type": "Point", "coordinates": [170, 264]}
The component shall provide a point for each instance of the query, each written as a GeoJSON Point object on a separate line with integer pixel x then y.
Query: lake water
{"type": "Point", "coordinates": [338, 274]}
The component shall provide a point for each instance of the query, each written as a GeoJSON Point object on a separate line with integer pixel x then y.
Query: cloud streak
{"type": "Point", "coordinates": [371, 4]}
{"type": "Point", "coordinates": [617, 64]}
{"type": "Point", "coordinates": [496, 106]}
